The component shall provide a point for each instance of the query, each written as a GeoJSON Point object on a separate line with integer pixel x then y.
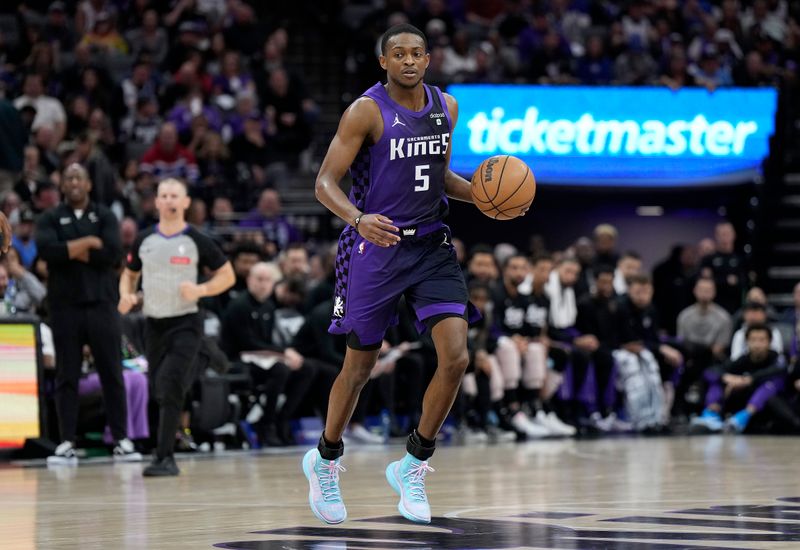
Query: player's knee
{"type": "Point", "coordinates": [356, 376]}
{"type": "Point", "coordinates": [456, 365]}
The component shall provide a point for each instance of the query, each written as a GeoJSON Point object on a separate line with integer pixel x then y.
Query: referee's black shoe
{"type": "Point", "coordinates": [161, 467]}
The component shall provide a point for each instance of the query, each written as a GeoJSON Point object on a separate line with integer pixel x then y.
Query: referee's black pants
{"type": "Point", "coordinates": [171, 346]}
{"type": "Point", "coordinates": [98, 325]}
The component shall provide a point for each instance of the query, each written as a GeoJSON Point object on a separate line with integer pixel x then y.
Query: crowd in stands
{"type": "Point", "coordinates": [572, 342]}
{"type": "Point", "coordinates": [595, 42]}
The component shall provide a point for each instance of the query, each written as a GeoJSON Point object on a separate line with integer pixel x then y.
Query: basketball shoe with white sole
{"type": "Point", "coordinates": [324, 495]}
{"type": "Point", "coordinates": [407, 478]}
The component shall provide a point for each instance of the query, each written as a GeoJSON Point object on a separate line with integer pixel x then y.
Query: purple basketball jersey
{"type": "Point", "coordinates": [402, 175]}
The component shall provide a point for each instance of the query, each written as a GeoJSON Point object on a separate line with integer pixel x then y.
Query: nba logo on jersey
{"type": "Point", "coordinates": [361, 247]}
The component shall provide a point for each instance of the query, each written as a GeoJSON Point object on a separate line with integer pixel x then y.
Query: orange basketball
{"type": "Point", "coordinates": [503, 187]}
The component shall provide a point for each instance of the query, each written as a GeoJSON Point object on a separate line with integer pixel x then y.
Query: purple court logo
{"type": "Point", "coordinates": [717, 527]}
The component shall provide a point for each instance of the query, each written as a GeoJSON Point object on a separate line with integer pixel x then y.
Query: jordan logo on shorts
{"type": "Point", "coordinates": [397, 121]}
{"type": "Point", "coordinates": [445, 242]}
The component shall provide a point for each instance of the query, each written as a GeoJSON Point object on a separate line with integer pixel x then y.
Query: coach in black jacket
{"type": "Point", "coordinates": [80, 242]}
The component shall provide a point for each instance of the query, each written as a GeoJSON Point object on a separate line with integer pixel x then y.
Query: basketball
{"type": "Point", "coordinates": [503, 187]}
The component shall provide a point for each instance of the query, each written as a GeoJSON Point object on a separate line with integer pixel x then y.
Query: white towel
{"type": "Point", "coordinates": [563, 307]}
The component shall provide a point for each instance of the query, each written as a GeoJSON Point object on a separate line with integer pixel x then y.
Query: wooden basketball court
{"type": "Point", "coordinates": [702, 492]}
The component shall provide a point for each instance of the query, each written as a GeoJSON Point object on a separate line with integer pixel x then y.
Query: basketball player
{"type": "Point", "coordinates": [170, 256]}
{"type": "Point", "coordinates": [395, 141]}
{"type": "Point", "coordinates": [5, 231]}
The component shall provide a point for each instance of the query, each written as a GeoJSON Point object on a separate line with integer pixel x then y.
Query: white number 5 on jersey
{"type": "Point", "coordinates": [424, 178]}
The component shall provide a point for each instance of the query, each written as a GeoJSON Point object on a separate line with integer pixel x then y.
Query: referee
{"type": "Point", "coordinates": [80, 242]}
{"type": "Point", "coordinates": [170, 257]}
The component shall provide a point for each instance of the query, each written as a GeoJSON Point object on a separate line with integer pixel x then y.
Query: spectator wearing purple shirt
{"type": "Point", "coordinates": [267, 217]}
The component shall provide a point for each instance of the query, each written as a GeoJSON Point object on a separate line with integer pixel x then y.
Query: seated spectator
{"type": "Point", "coordinates": [142, 128]}
{"type": "Point", "coordinates": [57, 30]}
{"type": "Point", "coordinates": [11, 206]}
{"type": "Point", "coordinates": [628, 266]}
{"type": "Point", "coordinates": [727, 268]}
{"type": "Point", "coordinates": [288, 126]}
{"type": "Point", "coordinates": [635, 66]}
{"type": "Point", "coordinates": [757, 295]}
{"type": "Point", "coordinates": [552, 64]}
{"type": "Point", "coordinates": [677, 75]}
{"type": "Point", "coordinates": [246, 106]}
{"type": "Point", "coordinates": [743, 386]}
{"type": "Point", "coordinates": [710, 72]}
{"type": "Point", "coordinates": [293, 261]}
{"type": "Point", "coordinates": [21, 293]}
{"type": "Point", "coordinates": [49, 110]}
{"type": "Point", "coordinates": [523, 349]}
{"type": "Point", "coordinates": [217, 170]}
{"type": "Point", "coordinates": [755, 313]}
{"type": "Point", "coordinates": [140, 84]}
{"type": "Point", "coordinates": [705, 331]}
{"type": "Point", "coordinates": [23, 239]}
{"type": "Point", "coordinates": [483, 381]}
{"type": "Point", "coordinates": [605, 238]}
{"type": "Point", "coordinates": [459, 61]}
{"type": "Point", "coordinates": [482, 267]}
{"type": "Point", "coordinates": [188, 110]}
{"type": "Point", "coordinates": [646, 366]}
{"type": "Point", "coordinates": [252, 151]}
{"type": "Point", "coordinates": [149, 38]}
{"type": "Point", "coordinates": [752, 73]}
{"type": "Point", "coordinates": [596, 322]}
{"type": "Point", "coordinates": [169, 159]}
{"type": "Point", "coordinates": [595, 67]}
{"type": "Point", "coordinates": [247, 329]}
{"type": "Point", "coordinates": [673, 284]}
{"type": "Point", "coordinates": [232, 80]}
{"type": "Point", "coordinates": [104, 36]}
{"type": "Point", "coordinates": [268, 219]}
{"type": "Point", "coordinates": [32, 173]}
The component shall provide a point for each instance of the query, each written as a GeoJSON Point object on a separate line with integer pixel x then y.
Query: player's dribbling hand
{"type": "Point", "coordinates": [127, 302]}
{"type": "Point", "coordinates": [378, 230]}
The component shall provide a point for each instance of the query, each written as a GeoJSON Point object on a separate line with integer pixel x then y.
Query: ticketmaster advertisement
{"type": "Point", "coordinates": [617, 136]}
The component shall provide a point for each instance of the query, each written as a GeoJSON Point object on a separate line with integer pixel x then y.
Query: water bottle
{"type": "Point", "coordinates": [9, 297]}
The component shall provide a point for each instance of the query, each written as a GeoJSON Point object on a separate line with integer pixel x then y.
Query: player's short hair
{"type": "Point", "coordinates": [400, 29]}
{"type": "Point", "coordinates": [172, 181]}
{"type": "Point", "coordinates": [758, 326]}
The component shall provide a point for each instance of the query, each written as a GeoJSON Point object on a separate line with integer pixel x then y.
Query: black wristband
{"type": "Point", "coordinates": [357, 221]}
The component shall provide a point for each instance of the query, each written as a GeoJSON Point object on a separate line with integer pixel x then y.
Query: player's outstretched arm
{"type": "Point", "coordinates": [360, 122]}
{"type": "Point", "coordinates": [455, 186]}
